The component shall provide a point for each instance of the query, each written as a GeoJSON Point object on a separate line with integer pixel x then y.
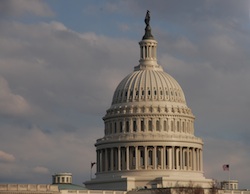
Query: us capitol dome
{"type": "Point", "coordinates": [149, 139]}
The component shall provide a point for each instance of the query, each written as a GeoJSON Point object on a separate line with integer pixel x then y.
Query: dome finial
{"type": "Point", "coordinates": [147, 34]}
{"type": "Point", "coordinates": [147, 18]}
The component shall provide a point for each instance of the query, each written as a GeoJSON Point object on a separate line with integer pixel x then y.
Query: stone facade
{"type": "Point", "coordinates": [28, 188]}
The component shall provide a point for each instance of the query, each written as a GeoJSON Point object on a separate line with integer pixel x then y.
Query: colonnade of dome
{"type": "Point", "coordinates": [149, 158]}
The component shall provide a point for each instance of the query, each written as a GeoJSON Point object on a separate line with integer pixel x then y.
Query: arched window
{"type": "Point", "coordinates": [142, 125]}
{"type": "Point", "coordinates": [127, 126]}
{"type": "Point", "coordinates": [178, 126]}
{"type": "Point", "coordinates": [150, 126]}
{"type": "Point", "coordinates": [115, 128]}
{"type": "Point", "coordinates": [157, 125]}
{"type": "Point", "coordinates": [165, 125]}
{"type": "Point", "coordinates": [120, 126]}
{"type": "Point", "coordinates": [110, 128]}
{"type": "Point", "coordinates": [172, 125]}
{"type": "Point", "coordinates": [134, 126]}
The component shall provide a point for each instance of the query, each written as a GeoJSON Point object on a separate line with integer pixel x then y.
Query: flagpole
{"type": "Point", "coordinates": [91, 170]}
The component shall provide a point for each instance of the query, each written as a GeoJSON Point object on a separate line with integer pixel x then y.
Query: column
{"type": "Point", "coordinates": [146, 157]}
{"type": "Point", "coordinates": [123, 158]}
{"type": "Point", "coordinates": [181, 159]}
{"type": "Point", "coordinates": [101, 160]}
{"type": "Point", "coordinates": [164, 157]}
{"type": "Point", "coordinates": [187, 158]}
{"type": "Point", "coordinates": [153, 120]}
{"type": "Point", "coordinates": [201, 160]}
{"type": "Point", "coordinates": [173, 157]}
{"type": "Point", "coordinates": [177, 162]}
{"type": "Point", "coordinates": [145, 123]}
{"type": "Point", "coordinates": [197, 159]}
{"type": "Point", "coordinates": [127, 157]}
{"type": "Point", "coordinates": [98, 160]}
{"type": "Point", "coordinates": [138, 125]}
{"type": "Point", "coordinates": [106, 159]}
{"type": "Point", "coordinates": [136, 157]}
{"type": "Point", "coordinates": [193, 168]}
{"type": "Point", "coordinates": [170, 160]}
{"type": "Point", "coordinates": [111, 159]}
{"type": "Point", "coordinates": [119, 158]}
{"type": "Point", "coordinates": [131, 125]}
{"type": "Point", "coordinates": [155, 157]}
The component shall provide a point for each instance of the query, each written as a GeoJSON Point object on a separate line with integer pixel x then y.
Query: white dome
{"type": "Point", "coordinates": [148, 85]}
{"type": "Point", "coordinates": [148, 131]}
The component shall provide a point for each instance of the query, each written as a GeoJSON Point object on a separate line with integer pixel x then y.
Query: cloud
{"type": "Point", "coordinates": [11, 104]}
{"type": "Point", "coordinates": [66, 79]}
{"type": "Point", "coordinates": [41, 170]}
{"type": "Point", "coordinates": [21, 7]}
{"type": "Point", "coordinates": [124, 27]}
{"type": "Point", "coordinates": [5, 157]}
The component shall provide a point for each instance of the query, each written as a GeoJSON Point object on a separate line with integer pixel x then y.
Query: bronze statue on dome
{"type": "Point", "coordinates": [147, 18]}
{"type": "Point", "coordinates": [147, 34]}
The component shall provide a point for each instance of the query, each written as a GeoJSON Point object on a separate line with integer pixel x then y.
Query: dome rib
{"type": "Point", "coordinates": [148, 85]}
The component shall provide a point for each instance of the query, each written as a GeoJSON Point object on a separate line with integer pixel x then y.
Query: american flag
{"type": "Point", "coordinates": [92, 164]}
{"type": "Point", "coordinates": [225, 167]}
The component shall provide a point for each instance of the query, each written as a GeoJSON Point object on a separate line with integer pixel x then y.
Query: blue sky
{"type": "Point", "coordinates": [60, 62]}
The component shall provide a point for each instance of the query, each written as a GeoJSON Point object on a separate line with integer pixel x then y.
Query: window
{"type": "Point", "coordinates": [134, 126]}
{"type": "Point", "coordinates": [110, 128]}
{"type": "Point", "coordinates": [115, 128]}
{"type": "Point", "coordinates": [142, 125]}
{"type": "Point", "coordinates": [172, 125]}
{"type": "Point", "coordinates": [150, 125]}
{"type": "Point", "coordinates": [165, 125]}
{"type": "Point", "coordinates": [157, 125]}
{"type": "Point", "coordinates": [127, 126]}
{"type": "Point", "coordinates": [120, 126]}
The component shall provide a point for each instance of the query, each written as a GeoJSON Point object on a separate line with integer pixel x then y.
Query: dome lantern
{"type": "Point", "coordinates": [148, 48]}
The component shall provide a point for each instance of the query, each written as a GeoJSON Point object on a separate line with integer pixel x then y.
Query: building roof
{"type": "Point", "coordinates": [70, 187]}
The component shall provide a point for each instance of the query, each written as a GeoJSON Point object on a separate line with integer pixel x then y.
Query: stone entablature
{"type": "Point", "coordinates": [29, 187]}
{"type": "Point", "coordinates": [91, 192]}
{"type": "Point", "coordinates": [165, 139]}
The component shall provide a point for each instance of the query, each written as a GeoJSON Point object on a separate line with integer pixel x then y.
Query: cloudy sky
{"type": "Point", "coordinates": [60, 62]}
